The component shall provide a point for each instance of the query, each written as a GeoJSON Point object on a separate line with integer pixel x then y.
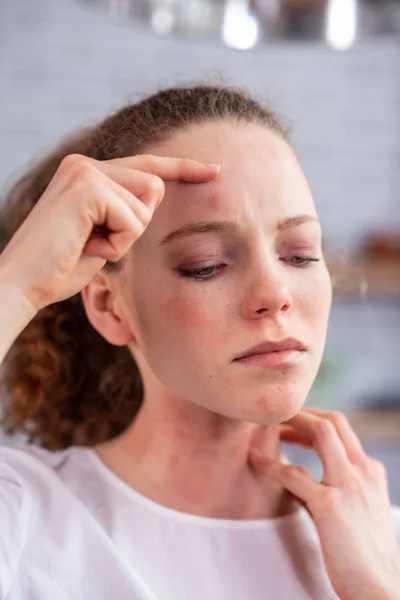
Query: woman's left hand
{"type": "Point", "coordinates": [350, 506]}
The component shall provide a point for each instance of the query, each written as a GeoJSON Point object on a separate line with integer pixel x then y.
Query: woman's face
{"type": "Point", "coordinates": [196, 301]}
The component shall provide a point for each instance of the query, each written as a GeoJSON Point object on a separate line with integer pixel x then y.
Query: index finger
{"type": "Point", "coordinates": [346, 433]}
{"type": "Point", "coordinates": [326, 442]}
{"type": "Point", "coordinates": [170, 169]}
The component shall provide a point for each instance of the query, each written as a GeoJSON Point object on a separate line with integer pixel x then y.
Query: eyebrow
{"type": "Point", "coordinates": [230, 227]}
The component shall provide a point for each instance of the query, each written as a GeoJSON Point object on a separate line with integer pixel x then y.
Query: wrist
{"type": "Point", "coordinates": [16, 311]}
{"type": "Point", "coordinates": [13, 299]}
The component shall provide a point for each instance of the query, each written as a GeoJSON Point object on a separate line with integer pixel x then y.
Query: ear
{"type": "Point", "coordinates": [100, 300]}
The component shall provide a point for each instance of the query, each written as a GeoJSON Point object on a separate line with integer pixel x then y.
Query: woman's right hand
{"type": "Point", "coordinates": [59, 247]}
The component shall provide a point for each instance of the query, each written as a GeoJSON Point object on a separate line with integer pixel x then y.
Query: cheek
{"type": "Point", "coordinates": [187, 314]}
{"type": "Point", "coordinates": [180, 316]}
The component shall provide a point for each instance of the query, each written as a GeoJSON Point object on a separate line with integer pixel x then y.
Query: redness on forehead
{"type": "Point", "coordinates": [213, 201]}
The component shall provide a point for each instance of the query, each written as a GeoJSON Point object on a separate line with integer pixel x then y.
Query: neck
{"type": "Point", "coordinates": [190, 459]}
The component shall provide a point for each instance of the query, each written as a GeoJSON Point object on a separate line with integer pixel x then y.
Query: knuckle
{"type": "Point", "coordinates": [87, 179]}
{"type": "Point", "coordinates": [86, 189]}
{"type": "Point", "coordinates": [144, 215]}
{"type": "Point", "coordinates": [324, 429]}
{"type": "Point", "coordinates": [331, 500]}
{"type": "Point", "coordinates": [74, 163]}
{"type": "Point", "coordinates": [79, 169]}
{"type": "Point", "coordinates": [186, 163]}
{"type": "Point", "coordinates": [376, 468]}
{"type": "Point", "coordinates": [157, 185]}
{"type": "Point", "coordinates": [138, 216]}
{"type": "Point", "coordinates": [148, 161]}
{"type": "Point", "coordinates": [338, 418]}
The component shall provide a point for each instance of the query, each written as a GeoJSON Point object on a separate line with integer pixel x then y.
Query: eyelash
{"type": "Point", "coordinates": [197, 273]}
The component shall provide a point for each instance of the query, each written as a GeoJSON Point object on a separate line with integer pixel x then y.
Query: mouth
{"type": "Point", "coordinates": [288, 346]}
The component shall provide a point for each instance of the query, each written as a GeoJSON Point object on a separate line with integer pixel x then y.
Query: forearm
{"type": "Point", "coordinates": [15, 312]}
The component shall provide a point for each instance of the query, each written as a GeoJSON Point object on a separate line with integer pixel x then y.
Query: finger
{"type": "Point", "coordinates": [288, 435]}
{"type": "Point", "coordinates": [350, 440]}
{"type": "Point", "coordinates": [140, 209]}
{"type": "Point", "coordinates": [121, 222]}
{"type": "Point", "coordinates": [295, 478]}
{"type": "Point", "coordinates": [74, 168]}
{"type": "Point", "coordinates": [326, 442]}
{"type": "Point", "coordinates": [170, 169]}
{"type": "Point", "coordinates": [148, 188]}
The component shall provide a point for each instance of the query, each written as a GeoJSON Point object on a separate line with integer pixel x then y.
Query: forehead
{"type": "Point", "coordinates": [222, 142]}
{"type": "Point", "coordinates": [261, 180]}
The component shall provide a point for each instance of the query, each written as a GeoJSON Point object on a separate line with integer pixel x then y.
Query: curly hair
{"type": "Point", "coordinates": [61, 382]}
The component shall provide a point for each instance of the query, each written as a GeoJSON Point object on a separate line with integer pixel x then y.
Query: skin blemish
{"type": "Point", "coordinates": [180, 434]}
{"type": "Point", "coordinates": [236, 450]}
{"type": "Point", "coordinates": [213, 201]}
{"type": "Point", "coordinates": [217, 432]}
{"type": "Point", "coordinates": [261, 402]}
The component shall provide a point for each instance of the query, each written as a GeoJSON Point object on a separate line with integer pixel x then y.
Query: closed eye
{"type": "Point", "coordinates": [202, 273]}
{"type": "Point", "coordinates": [211, 271]}
{"type": "Point", "coordinates": [300, 261]}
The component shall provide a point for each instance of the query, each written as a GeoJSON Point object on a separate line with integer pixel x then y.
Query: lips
{"type": "Point", "coordinates": [278, 346]}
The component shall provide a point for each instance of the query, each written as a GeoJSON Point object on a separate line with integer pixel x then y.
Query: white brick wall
{"type": "Point", "coordinates": [62, 65]}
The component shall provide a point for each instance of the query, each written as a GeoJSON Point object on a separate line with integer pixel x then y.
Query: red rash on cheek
{"type": "Point", "coordinates": [184, 313]}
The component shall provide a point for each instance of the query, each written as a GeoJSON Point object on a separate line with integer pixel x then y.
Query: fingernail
{"type": "Point", "coordinates": [213, 166]}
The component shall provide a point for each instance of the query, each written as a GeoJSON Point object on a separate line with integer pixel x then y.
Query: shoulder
{"type": "Point", "coordinates": [15, 512]}
{"type": "Point", "coordinates": [31, 467]}
{"type": "Point", "coordinates": [31, 481]}
{"type": "Point", "coordinates": [27, 461]}
{"type": "Point", "coordinates": [15, 472]}
{"type": "Point", "coordinates": [36, 476]}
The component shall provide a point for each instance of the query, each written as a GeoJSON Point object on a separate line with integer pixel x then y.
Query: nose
{"type": "Point", "coordinates": [266, 295]}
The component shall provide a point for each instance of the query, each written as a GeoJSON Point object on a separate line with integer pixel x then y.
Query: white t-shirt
{"type": "Point", "coordinates": [72, 530]}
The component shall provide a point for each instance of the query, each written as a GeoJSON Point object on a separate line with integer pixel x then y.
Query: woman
{"type": "Point", "coordinates": [158, 392]}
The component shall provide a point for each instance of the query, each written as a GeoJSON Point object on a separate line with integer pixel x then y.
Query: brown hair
{"type": "Point", "coordinates": [62, 382]}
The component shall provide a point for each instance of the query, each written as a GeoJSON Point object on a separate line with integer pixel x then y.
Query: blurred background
{"type": "Point", "coordinates": [330, 67]}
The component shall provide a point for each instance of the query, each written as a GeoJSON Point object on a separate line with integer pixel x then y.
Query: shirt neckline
{"type": "Point", "coordinates": [189, 518]}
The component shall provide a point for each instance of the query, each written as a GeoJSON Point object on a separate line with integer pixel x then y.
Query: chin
{"type": "Point", "coordinates": [276, 406]}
